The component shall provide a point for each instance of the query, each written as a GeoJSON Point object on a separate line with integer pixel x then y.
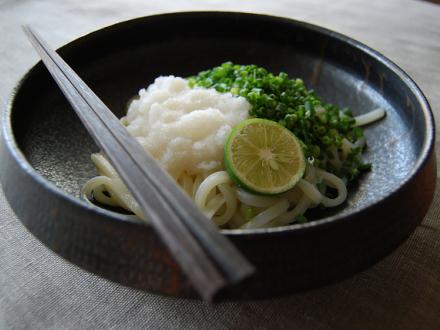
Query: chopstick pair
{"type": "Point", "coordinates": [209, 259]}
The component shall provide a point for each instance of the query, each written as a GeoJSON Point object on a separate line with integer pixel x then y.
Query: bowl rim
{"type": "Point", "coordinates": [427, 148]}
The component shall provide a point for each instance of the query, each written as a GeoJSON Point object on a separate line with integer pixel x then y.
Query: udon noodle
{"type": "Point", "coordinates": [226, 204]}
{"type": "Point", "coordinates": [222, 201]}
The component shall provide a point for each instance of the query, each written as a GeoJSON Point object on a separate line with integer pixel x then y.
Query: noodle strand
{"type": "Point", "coordinates": [222, 201]}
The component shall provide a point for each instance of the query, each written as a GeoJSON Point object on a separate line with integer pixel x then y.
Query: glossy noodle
{"type": "Point", "coordinates": [185, 129]}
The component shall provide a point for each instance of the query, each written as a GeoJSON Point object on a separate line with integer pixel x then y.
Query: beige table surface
{"type": "Point", "coordinates": [39, 290]}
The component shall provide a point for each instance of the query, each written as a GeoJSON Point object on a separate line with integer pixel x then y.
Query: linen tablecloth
{"type": "Point", "coordinates": [39, 290]}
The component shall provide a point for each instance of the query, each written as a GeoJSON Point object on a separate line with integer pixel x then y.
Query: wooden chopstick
{"type": "Point", "coordinates": [207, 257]}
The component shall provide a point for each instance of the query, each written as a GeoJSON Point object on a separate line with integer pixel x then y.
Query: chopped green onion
{"type": "Point", "coordinates": [317, 124]}
{"type": "Point", "coordinates": [300, 218]}
{"type": "Point", "coordinates": [248, 213]}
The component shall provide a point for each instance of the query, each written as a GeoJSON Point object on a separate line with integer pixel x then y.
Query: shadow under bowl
{"type": "Point", "coordinates": [46, 151]}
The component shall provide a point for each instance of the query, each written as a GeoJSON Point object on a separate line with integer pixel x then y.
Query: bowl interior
{"type": "Point", "coordinates": [118, 61]}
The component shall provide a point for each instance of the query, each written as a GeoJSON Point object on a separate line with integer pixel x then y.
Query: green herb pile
{"type": "Point", "coordinates": [277, 97]}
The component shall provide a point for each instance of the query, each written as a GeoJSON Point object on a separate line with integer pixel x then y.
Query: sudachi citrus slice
{"type": "Point", "coordinates": [264, 157]}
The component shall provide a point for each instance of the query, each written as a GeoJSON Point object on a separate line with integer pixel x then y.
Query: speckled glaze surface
{"type": "Point", "coordinates": [46, 151]}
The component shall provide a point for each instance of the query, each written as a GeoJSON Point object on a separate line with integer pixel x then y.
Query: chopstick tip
{"type": "Point", "coordinates": [28, 31]}
{"type": "Point", "coordinates": [26, 28]}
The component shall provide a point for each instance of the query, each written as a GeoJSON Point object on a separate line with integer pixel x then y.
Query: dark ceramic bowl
{"type": "Point", "coordinates": [46, 151]}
